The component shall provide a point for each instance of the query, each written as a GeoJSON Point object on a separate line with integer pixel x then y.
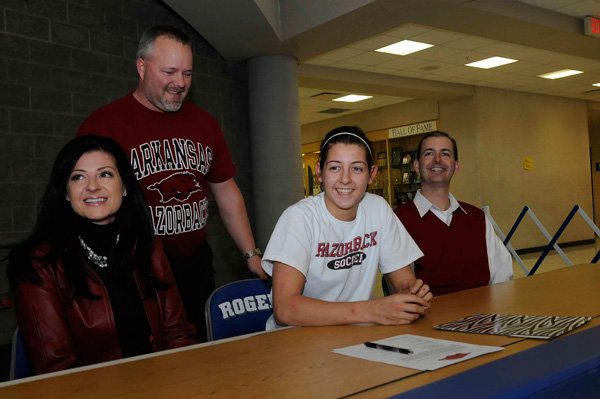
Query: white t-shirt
{"type": "Point", "coordinates": [339, 259]}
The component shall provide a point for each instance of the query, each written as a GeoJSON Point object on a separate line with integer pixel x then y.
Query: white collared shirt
{"type": "Point", "coordinates": [499, 259]}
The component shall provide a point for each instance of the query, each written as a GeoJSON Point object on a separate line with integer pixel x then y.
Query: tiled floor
{"type": "Point", "coordinates": [577, 255]}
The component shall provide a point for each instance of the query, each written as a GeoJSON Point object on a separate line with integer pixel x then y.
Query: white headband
{"type": "Point", "coordinates": [350, 134]}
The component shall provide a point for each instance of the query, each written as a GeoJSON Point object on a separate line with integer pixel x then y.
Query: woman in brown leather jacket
{"type": "Point", "coordinates": [91, 284]}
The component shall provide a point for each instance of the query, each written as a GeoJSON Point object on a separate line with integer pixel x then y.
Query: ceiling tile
{"type": "Point", "coordinates": [401, 63]}
{"type": "Point", "coordinates": [580, 7]}
{"type": "Point", "coordinates": [436, 53]}
{"type": "Point", "coordinates": [436, 37]}
{"type": "Point", "coordinates": [468, 43]}
{"type": "Point", "coordinates": [374, 43]}
{"type": "Point", "coordinates": [370, 58]}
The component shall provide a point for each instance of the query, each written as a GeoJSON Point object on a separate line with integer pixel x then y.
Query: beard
{"type": "Point", "coordinates": [171, 106]}
{"type": "Point", "coordinates": [167, 99]}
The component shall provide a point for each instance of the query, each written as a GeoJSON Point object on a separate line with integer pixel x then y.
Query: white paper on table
{"type": "Point", "coordinates": [428, 353]}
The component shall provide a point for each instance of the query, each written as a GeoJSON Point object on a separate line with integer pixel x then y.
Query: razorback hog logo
{"type": "Point", "coordinates": [178, 186]}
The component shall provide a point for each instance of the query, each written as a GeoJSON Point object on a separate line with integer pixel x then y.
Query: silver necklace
{"type": "Point", "coordinates": [98, 260]}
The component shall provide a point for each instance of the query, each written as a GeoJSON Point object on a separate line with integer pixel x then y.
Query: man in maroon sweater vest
{"type": "Point", "coordinates": [460, 246]}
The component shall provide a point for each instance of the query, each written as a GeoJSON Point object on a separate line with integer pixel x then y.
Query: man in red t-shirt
{"type": "Point", "coordinates": [178, 154]}
{"type": "Point", "coordinates": [460, 246]}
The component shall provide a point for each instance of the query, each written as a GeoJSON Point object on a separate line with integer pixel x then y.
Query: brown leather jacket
{"type": "Point", "coordinates": [59, 332]}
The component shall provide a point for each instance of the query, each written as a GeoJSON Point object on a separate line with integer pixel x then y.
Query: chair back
{"type": "Point", "coordinates": [19, 365]}
{"type": "Point", "coordinates": [239, 307]}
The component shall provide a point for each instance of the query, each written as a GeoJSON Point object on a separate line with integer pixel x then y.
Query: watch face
{"type": "Point", "coordinates": [250, 254]}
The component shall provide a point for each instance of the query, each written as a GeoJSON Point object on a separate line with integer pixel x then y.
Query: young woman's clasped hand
{"type": "Point", "coordinates": [412, 301]}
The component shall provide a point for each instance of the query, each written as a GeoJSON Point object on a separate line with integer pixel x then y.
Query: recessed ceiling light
{"type": "Point", "coordinates": [596, 84]}
{"type": "Point", "coordinates": [352, 98]}
{"type": "Point", "coordinates": [560, 74]}
{"type": "Point", "coordinates": [491, 62]}
{"type": "Point", "coordinates": [404, 47]}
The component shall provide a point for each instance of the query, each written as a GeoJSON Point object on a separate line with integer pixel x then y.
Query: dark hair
{"type": "Point", "coordinates": [148, 38]}
{"type": "Point", "coordinates": [354, 135]}
{"type": "Point", "coordinates": [55, 233]}
{"type": "Point", "coordinates": [438, 133]}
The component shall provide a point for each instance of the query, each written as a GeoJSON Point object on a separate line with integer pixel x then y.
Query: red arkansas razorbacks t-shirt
{"type": "Point", "coordinates": [174, 155]}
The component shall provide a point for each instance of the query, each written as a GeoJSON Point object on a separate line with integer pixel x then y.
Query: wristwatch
{"type": "Point", "coordinates": [252, 252]}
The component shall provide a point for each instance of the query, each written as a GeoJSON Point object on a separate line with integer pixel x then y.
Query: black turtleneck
{"type": "Point", "coordinates": [124, 297]}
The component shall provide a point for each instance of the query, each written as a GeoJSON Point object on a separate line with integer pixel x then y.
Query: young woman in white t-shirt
{"type": "Point", "coordinates": [325, 250]}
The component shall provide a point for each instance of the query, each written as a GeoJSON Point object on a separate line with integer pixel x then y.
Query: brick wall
{"type": "Point", "coordinates": [62, 59]}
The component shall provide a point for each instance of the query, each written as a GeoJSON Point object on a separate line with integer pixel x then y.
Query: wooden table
{"type": "Point", "coordinates": [299, 362]}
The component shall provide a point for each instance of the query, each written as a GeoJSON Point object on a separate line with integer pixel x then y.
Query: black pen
{"type": "Point", "coordinates": [388, 348]}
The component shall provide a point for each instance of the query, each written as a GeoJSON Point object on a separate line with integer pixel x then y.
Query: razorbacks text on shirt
{"type": "Point", "coordinates": [184, 158]}
{"type": "Point", "coordinates": [348, 253]}
{"type": "Point", "coordinates": [172, 154]}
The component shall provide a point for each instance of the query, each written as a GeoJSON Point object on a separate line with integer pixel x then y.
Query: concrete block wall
{"type": "Point", "coordinates": [62, 59]}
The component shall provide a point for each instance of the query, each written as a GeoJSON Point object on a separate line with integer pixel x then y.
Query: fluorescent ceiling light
{"type": "Point", "coordinates": [560, 74]}
{"type": "Point", "coordinates": [404, 47]}
{"type": "Point", "coordinates": [352, 98]}
{"type": "Point", "coordinates": [596, 84]}
{"type": "Point", "coordinates": [491, 62]}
